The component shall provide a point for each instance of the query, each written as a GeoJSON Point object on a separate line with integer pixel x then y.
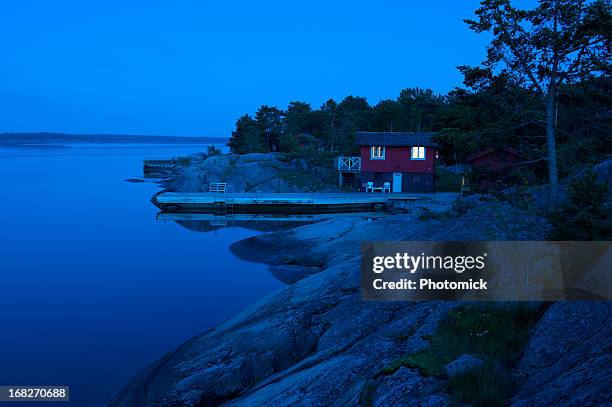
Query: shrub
{"type": "Point", "coordinates": [484, 179]}
{"type": "Point", "coordinates": [586, 215]}
{"type": "Point", "coordinates": [212, 150]}
{"type": "Point", "coordinates": [446, 181]}
{"type": "Point", "coordinates": [289, 144]}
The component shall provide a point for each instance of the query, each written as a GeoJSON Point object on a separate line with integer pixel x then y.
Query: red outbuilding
{"type": "Point", "coordinates": [495, 159]}
{"type": "Point", "coordinates": [406, 160]}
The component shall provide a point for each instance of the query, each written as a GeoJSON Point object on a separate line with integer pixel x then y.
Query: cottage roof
{"type": "Point", "coordinates": [492, 150]}
{"type": "Point", "coordinates": [394, 138]}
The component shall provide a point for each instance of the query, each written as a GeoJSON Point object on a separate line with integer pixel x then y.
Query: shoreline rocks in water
{"type": "Point", "coordinates": [315, 342]}
{"type": "Point", "coordinates": [292, 273]}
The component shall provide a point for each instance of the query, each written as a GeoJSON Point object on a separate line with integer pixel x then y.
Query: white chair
{"type": "Point", "coordinates": [217, 187]}
{"type": "Point", "coordinates": [387, 187]}
{"type": "Point", "coordinates": [369, 187]}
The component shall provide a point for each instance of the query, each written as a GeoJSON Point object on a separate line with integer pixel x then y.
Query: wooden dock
{"type": "Point", "coordinates": [277, 202]}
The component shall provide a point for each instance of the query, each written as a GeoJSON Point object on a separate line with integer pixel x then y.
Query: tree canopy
{"type": "Point", "coordinates": [543, 89]}
{"type": "Point", "coordinates": [557, 42]}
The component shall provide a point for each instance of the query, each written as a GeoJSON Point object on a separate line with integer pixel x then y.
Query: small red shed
{"type": "Point", "coordinates": [407, 160]}
{"type": "Point", "coordinates": [495, 159]}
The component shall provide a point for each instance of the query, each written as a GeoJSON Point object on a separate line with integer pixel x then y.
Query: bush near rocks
{"type": "Point", "coordinates": [586, 214]}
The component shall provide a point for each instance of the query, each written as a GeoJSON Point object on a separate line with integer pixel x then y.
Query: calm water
{"type": "Point", "coordinates": [92, 287]}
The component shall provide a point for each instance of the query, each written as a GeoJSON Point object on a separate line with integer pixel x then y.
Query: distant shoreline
{"type": "Point", "coordinates": [54, 138]}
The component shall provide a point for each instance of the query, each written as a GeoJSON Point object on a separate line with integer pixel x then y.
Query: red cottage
{"type": "Point", "coordinates": [406, 160]}
{"type": "Point", "coordinates": [496, 159]}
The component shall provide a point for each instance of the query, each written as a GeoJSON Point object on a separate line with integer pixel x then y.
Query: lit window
{"type": "Point", "coordinates": [418, 153]}
{"type": "Point", "coordinates": [377, 153]}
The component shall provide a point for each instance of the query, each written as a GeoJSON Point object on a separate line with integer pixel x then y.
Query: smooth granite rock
{"type": "Point", "coordinates": [291, 273]}
{"type": "Point", "coordinates": [256, 172]}
{"type": "Point", "coordinates": [317, 343]}
{"type": "Point", "coordinates": [311, 343]}
{"type": "Point", "coordinates": [568, 360]}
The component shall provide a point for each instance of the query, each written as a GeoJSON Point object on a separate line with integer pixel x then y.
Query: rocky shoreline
{"type": "Point", "coordinates": [253, 172]}
{"type": "Point", "coordinates": [316, 343]}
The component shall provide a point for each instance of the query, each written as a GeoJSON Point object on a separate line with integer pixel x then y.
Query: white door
{"type": "Point", "coordinates": [397, 182]}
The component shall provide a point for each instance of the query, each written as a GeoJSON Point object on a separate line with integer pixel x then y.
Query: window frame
{"type": "Point", "coordinates": [382, 149]}
{"type": "Point", "coordinates": [417, 158]}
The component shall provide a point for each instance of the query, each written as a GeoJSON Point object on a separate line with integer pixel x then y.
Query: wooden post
{"type": "Point", "coordinates": [340, 178]}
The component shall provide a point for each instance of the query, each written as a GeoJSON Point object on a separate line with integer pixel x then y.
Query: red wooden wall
{"type": "Point", "coordinates": [496, 161]}
{"type": "Point", "coordinates": [397, 159]}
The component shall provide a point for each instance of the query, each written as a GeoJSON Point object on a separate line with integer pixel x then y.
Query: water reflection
{"type": "Point", "coordinates": [93, 287]}
{"type": "Point", "coordinates": [264, 222]}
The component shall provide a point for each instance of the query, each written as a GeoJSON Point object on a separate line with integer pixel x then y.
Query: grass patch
{"type": "Point", "coordinates": [487, 386]}
{"type": "Point", "coordinates": [426, 362]}
{"type": "Point", "coordinates": [447, 181]}
{"type": "Point", "coordinates": [366, 395]}
{"type": "Point", "coordinates": [304, 180]}
{"type": "Point", "coordinates": [495, 332]}
{"type": "Point", "coordinates": [427, 214]}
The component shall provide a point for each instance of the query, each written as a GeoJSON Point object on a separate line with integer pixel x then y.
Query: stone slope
{"type": "Point", "coordinates": [314, 342]}
{"type": "Point", "coordinates": [568, 360]}
{"type": "Point", "coordinates": [254, 172]}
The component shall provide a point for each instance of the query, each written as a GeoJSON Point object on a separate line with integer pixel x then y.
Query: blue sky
{"type": "Point", "coordinates": [193, 67]}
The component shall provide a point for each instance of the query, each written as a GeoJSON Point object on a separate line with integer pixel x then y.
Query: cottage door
{"type": "Point", "coordinates": [397, 182]}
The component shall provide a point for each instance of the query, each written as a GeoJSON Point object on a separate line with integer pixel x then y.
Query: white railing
{"type": "Point", "coordinates": [217, 187]}
{"type": "Point", "coordinates": [349, 163]}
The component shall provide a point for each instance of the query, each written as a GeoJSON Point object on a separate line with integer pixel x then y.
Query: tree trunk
{"type": "Point", "coordinates": [550, 143]}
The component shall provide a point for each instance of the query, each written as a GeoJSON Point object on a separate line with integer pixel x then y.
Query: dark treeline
{"type": "Point", "coordinates": [332, 127]}
{"type": "Point", "coordinates": [486, 114]}
{"type": "Point", "coordinates": [542, 88]}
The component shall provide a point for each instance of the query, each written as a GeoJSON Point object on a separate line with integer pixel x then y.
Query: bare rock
{"type": "Point", "coordinates": [407, 387]}
{"type": "Point", "coordinates": [312, 343]}
{"type": "Point", "coordinates": [568, 360]}
{"type": "Point", "coordinates": [292, 273]}
{"type": "Point", "coordinates": [316, 342]}
{"type": "Point", "coordinates": [255, 172]}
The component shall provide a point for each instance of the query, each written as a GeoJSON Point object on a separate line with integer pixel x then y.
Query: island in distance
{"type": "Point", "coordinates": [17, 139]}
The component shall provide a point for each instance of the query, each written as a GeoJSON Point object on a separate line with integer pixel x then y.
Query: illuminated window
{"type": "Point", "coordinates": [377, 153]}
{"type": "Point", "coordinates": [418, 153]}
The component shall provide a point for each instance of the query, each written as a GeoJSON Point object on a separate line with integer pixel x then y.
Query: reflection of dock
{"type": "Point", "coordinates": [214, 219]}
{"type": "Point", "coordinates": [281, 202]}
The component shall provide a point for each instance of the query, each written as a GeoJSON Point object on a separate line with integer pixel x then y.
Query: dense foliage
{"type": "Point", "coordinates": [585, 215]}
{"type": "Point", "coordinates": [543, 48]}
{"type": "Point", "coordinates": [498, 113]}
